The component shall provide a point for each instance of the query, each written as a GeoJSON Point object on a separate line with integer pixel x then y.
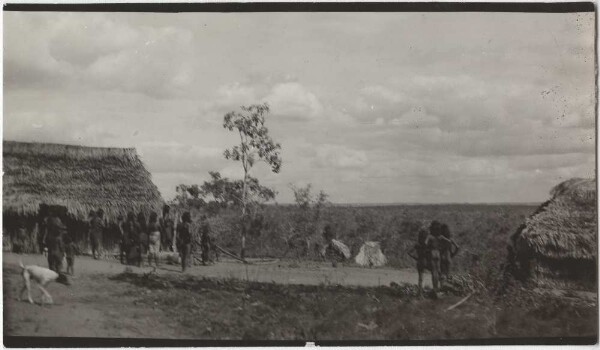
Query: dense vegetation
{"type": "Point", "coordinates": [481, 230]}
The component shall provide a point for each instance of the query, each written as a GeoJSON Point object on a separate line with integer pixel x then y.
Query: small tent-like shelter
{"type": "Point", "coordinates": [370, 255]}
{"type": "Point", "coordinates": [79, 179]}
{"type": "Point", "coordinates": [336, 248]}
{"type": "Point", "coordinates": [557, 245]}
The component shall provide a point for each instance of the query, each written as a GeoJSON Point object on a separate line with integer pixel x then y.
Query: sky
{"type": "Point", "coordinates": [369, 107]}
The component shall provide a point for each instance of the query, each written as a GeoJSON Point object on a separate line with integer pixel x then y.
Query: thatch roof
{"type": "Point", "coordinates": [565, 226]}
{"type": "Point", "coordinates": [341, 248]}
{"type": "Point", "coordinates": [79, 178]}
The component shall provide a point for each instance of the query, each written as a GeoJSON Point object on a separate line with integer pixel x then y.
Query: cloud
{"type": "Point", "coordinates": [148, 66]}
{"type": "Point", "coordinates": [340, 157]}
{"type": "Point", "coordinates": [95, 51]}
{"type": "Point", "coordinates": [81, 40]}
{"type": "Point", "coordinates": [294, 101]}
{"type": "Point", "coordinates": [383, 93]}
{"type": "Point", "coordinates": [415, 118]}
{"type": "Point", "coordinates": [173, 157]}
{"type": "Point", "coordinates": [289, 101]}
{"type": "Point", "coordinates": [501, 117]}
{"type": "Point", "coordinates": [236, 94]}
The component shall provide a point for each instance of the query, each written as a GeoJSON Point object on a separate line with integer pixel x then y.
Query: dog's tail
{"type": "Point", "coordinates": [21, 264]}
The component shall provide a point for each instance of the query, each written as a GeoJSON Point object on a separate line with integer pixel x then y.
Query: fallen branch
{"type": "Point", "coordinates": [231, 254]}
{"type": "Point", "coordinates": [460, 302]}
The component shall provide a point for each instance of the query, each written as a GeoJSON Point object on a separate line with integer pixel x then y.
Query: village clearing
{"type": "Point", "coordinates": [219, 302]}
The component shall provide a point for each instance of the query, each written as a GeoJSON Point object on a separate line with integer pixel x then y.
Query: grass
{"type": "Point", "coordinates": [233, 309]}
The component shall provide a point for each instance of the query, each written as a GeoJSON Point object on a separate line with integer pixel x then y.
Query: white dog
{"type": "Point", "coordinates": [42, 276]}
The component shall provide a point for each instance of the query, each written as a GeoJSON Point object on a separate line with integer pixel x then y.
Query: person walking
{"type": "Point", "coordinates": [184, 239]}
{"type": "Point", "coordinates": [54, 241]}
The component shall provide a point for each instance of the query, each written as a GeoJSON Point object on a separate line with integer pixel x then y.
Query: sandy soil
{"type": "Point", "coordinates": [97, 306]}
{"type": "Point", "coordinates": [278, 272]}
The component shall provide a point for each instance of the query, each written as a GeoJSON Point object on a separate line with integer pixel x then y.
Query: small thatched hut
{"type": "Point", "coordinates": [557, 245]}
{"type": "Point", "coordinates": [79, 179]}
{"type": "Point", "coordinates": [370, 255]}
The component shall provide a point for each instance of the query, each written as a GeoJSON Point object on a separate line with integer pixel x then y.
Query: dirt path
{"type": "Point", "coordinates": [97, 305]}
{"type": "Point", "coordinates": [103, 303]}
{"type": "Point", "coordinates": [93, 306]}
{"type": "Point", "coordinates": [312, 274]}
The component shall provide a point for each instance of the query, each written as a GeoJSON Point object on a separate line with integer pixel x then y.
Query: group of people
{"type": "Point", "coordinates": [137, 237]}
{"type": "Point", "coordinates": [434, 251]}
{"type": "Point", "coordinates": [140, 237]}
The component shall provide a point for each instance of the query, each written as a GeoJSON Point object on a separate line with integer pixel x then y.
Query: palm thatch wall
{"type": "Point", "coordinates": [78, 178]}
{"type": "Point", "coordinates": [558, 243]}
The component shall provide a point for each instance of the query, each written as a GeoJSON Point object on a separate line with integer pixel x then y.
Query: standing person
{"type": "Point", "coordinates": [153, 239]}
{"type": "Point", "coordinates": [130, 239]}
{"type": "Point", "coordinates": [205, 239]}
{"type": "Point", "coordinates": [167, 228]}
{"type": "Point", "coordinates": [122, 239]}
{"type": "Point", "coordinates": [91, 215]}
{"type": "Point", "coordinates": [42, 227]}
{"type": "Point", "coordinates": [70, 254]}
{"type": "Point", "coordinates": [96, 231]}
{"type": "Point", "coordinates": [433, 245]}
{"type": "Point", "coordinates": [20, 238]}
{"type": "Point", "coordinates": [54, 241]}
{"type": "Point", "coordinates": [422, 255]}
{"type": "Point", "coordinates": [142, 233]}
{"type": "Point", "coordinates": [448, 249]}
{"type": "Point", "coordinates": [184, 239]}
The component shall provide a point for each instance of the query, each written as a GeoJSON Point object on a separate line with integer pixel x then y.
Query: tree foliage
{"type": "Point", "coordinates": [188, 196]}
{"type": "Point", "coordinates": [255, 142]}
{"type": "Point", "coordinates": [255, 145]}
{"type": "Point", "coordinates": [222, 193]}
{"type": "Point", "coordinates": [226, 193]}
{"type": "Point", "coordinates": [306, 219]}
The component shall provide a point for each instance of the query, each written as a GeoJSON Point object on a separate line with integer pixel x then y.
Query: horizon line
{"type": "Point", "coordinates": [416, 203]}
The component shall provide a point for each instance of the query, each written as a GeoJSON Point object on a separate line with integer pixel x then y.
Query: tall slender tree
{"type": "Point", "coordinates": [255, 145]}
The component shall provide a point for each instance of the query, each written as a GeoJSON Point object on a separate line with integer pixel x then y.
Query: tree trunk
{"type": "Point", "coordinates": [243, 248]}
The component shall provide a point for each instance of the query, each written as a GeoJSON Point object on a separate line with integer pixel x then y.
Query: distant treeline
{"type": "Point", "coordinates": [482, 230]}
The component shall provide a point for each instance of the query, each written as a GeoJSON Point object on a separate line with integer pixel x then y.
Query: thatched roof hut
{"type": "Point", "coordinates": [558, 243]}
{"type": "Point", "coordinates": [78, 178]}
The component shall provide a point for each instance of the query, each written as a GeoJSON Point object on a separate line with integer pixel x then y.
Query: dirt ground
{"type": "Point", "coordinates": [284, 272]}
{"type": "Point", "coordinates": [97, 306]}
{"type": "Point", "coordinates": [308, 302]}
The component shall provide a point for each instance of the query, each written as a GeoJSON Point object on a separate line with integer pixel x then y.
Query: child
{"type": "Point", "coordinates": [153, 239]}
{"type": "Point", "coordinates": [70, 254]}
